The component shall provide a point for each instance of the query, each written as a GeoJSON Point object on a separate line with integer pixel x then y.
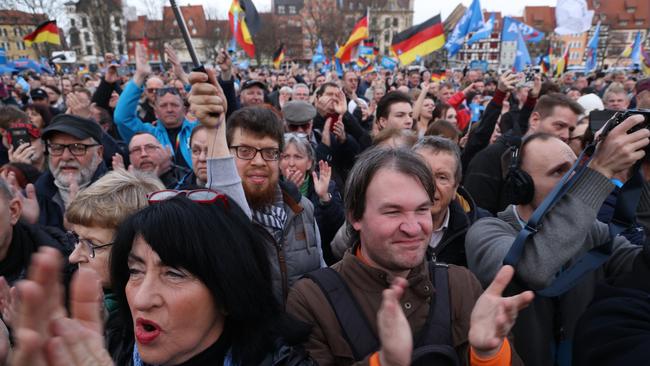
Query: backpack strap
{"type": "Point", "coordinates": [437, 329]}
{"type": "Point", "coordinates": [354, 324]}
{"type": "Point", "coordinates": [434, 343]}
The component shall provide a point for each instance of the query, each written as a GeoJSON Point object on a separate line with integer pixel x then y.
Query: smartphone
{"type": "Point", "coordinates": [19, 136]}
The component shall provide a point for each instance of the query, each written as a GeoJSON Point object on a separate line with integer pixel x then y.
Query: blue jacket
{"type": "Point", "coordinates": [128, 123]}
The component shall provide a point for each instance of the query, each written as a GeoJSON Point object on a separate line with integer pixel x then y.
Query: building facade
{"type": "Point", "coordinates": [14, 25]}
{"type": "Point", "coordinates": [331, 21]}
{"type": "Point", "coordinates": [96, 27]}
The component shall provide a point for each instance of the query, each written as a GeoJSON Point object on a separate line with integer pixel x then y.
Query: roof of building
{"type": "Point", "coordinates": [17, 17]}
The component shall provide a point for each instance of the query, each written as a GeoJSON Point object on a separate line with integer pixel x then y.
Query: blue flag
{"type": "Point", "coordinates": [388, 63]}
{"type": "Point", "coordinates": [522, 58]}
{"type": "Point", "coordinates": [484, 32]}
{"type": "Point", "coordinates": [3, 56]}
{"type": "Point", "coordinates": [319, 55]}
{"type": "Point", "coordinates": [636, 50]}
{"type": "Point", "coordinates": [512, 26]}
{"type": "Point", "coordinates": [592, 50]}
{"type": "Point", "coordinates": [471, 21]}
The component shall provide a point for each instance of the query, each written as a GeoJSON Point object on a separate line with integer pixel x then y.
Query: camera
{"type": "Point", "coordinates": [619, 117]}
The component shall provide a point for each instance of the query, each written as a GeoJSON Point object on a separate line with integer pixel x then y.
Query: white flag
{"type": "Point", "coordinates": [572, 16]}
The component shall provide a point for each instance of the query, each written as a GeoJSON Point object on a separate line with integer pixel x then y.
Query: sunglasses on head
{"type": "Point", "coordinates": [170, 89]}
{"type": "Point", "coordinates": [203, 196]}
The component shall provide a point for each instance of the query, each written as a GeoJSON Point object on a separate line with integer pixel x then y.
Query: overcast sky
{"type": "Point", "coordinates": [424, 9]}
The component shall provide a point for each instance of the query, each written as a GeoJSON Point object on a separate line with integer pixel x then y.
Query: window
{"type": "Point", "coordinates": [15, 31]}
{"type": "Point", "coordinates": [86, 36]}
{"type": "Point", "coordinates": [386, 22]}
{"type": "Point", "coordinates": [84, 22]}
{"type": "Point", "coordinates": [374, 21]}
{"type": "Point", "coordinates": [292, 9]}
{"type": "Point", "coordinates": [280, 9]}
{"type": "Point", "coordinates": [72, 22]}
{"type": "Point", "coordinates": [89, 50]}
{"type": "Point", "coordinates": [120, 49]}
{"type": "Point", "coordinates": [395, 22]}
{"type": "Point", "coordinates": [638, 22]}
{"type": "Point", "coordinates": [631, 9]}
{"type": "Point", "coordinates": [193, 31]}
{"type": "Point", "coordinates": [493, 56]}
{"type": "Point", "coordinates": [117, 22]}
{"type": "Point", "coordinates": [622, 22]}
{"type": "Point", "coordinates": [351, 5]}
{"type": "Point", "coordinates": [386, 36]}
{"type": "Point", "coordinates": [118, 35]}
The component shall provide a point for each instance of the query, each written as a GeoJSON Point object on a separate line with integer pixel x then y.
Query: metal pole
{"type": "Point", "coordinates": [184, 32]}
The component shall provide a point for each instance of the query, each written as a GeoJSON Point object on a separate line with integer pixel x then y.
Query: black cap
{"type": "Point", "coordinates": [251, 83]}
{"type": "Point", "coordinates": [75, 126]}
{"type": "Point", "coordinates": [38, 94]}
{"type": "Point", "coordinates": [298, 112]}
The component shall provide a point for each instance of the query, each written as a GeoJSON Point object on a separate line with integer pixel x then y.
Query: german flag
{"type": "Point", "coordinates": [278, 56]}
{"type": "Point", "coordinates": [419, 40]}
{"type": "Point", "coordinates": [439, 76]}
{"type": "Point", "coordinates": [45, 32]}
{"type": "Point", "coordinates": [244, 20]}
{"type": "Point", "coordinates": [563, 63]}
{"type": "Point", "coordinates": [359, 33]}
{"type": "Point", "coordinates": [370, 67]}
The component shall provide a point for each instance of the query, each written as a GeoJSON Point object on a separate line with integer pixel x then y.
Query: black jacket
{"type": "Point", "coordinates": [451, 249]}
{"type": "Point", "coordinates": [51, 212]}
{"type": "Point", "coordinates": [26, 239]}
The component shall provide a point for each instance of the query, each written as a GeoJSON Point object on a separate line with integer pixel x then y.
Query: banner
{"type": "Point", "coordinates": [512, 28]}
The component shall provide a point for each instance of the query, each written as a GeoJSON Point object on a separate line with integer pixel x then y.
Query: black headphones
{"type": "Point", "coordinates": [519, 188]}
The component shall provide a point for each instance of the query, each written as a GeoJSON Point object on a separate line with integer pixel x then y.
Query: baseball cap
{"type": "Point", "coordinates": [251, 83]}
{"type": "Point", "coordinates": [298, 112]}
{"type": "Point", "coordinates": [75, 126]}
{"type": "Point", "coordinates": [38, 94]}
{"type": "Point", "coordinates": [643, 85]}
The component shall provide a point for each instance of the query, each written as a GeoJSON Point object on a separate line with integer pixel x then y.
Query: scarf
{"type": "Point", "coordinates": [272, 217]}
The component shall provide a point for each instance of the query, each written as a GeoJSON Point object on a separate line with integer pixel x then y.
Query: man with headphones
{"type": "Point", "coordinates": [568, 230]}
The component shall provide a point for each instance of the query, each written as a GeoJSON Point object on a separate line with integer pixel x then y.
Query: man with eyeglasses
{"type": "Point", "coordinates": [172, 129]}
{"type": "Point", "coordinates": [149, 156]}
{"type": "Point", "coordinates": [245, 154]}
{"type": "Point", "coordinates": [146, 111]}
{"type": "Point", "coordinates": [74, 161]}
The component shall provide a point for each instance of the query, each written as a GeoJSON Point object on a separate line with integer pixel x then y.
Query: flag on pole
{"type": "Point", "coordinates": [278, 56]}
{"type": "Point", "coordinates": [419, 40]}
{"type": "Point", "coordinates": [563, 63]}
{"type": "Point", "coordinates": [484, 32]}
{"type": "Point", "coordinates": [645, 64]}
{"type": "Point", "coordinates": [319, 54]}
{"type": "Point", "coordinates": [522, 57]}
{"type": "Point", "coordinates": [512, 27]}
{"type": "Point", "coordinates": [635, 55]}
{"type": "Point", "coordinates": [244, 21]}
{"type": "Point", "coordinates": [471, 21]}
{"type": "Point", "coordinates": [45, 32]}
{"type": "Point", "coordinates": [592, 50]}
{"type": "Point", "coordinates": [359, 33]}
{"type": "Point", "coordinates": [572, 16]}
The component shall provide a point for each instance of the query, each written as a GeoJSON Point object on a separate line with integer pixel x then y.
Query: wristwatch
{"type": "Point", "coordinates": [329, 199]}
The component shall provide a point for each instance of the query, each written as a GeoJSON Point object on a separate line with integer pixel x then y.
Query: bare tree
{"type": "Point", "coordinates": [154, 8]}
{"type": "Point", "coordinates": [325, 22]}
{"type": "Point", "coordinates": [52, 8]}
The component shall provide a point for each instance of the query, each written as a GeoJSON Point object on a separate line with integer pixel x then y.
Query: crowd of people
{"type": "Point", "coordinates": [292, 217]}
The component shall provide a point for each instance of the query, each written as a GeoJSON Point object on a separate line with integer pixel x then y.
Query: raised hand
{"type": "Point", "coordinates": [30, 210]}
{"type": "Point", "coordinates": [177, 68]}
{"type": "Point", "coordinates": [118, 162]}
{"type": "Point", "coordinates": [23, 154]}
{"type": "Point", "coordinates": [207, 99]}
{"type": "Point", "coordinates": [296, 177]}
{"type": "Point", "coordinates": [394, 329]}
{"type": "Point", "coordinates": [225, 64]}
{"type": "Point", "coordinates": [322, 182]}
{"type": "Point", "coordinates": [339, 130]}
{"type": "Point", "coordinates": [8, 302]}
{"type": "Point", "coordinates": [77, 107]}
{"type": "Point", "coordinates": [507, 81]}
{"type": "Point", "coordinates": [493, 315]}
{"type": "Point", "coordinates": [620, 149]}
{"type": "Point", "coordinates": [142, 67]}
{"type": "Point", "coordinates": [340, 106]}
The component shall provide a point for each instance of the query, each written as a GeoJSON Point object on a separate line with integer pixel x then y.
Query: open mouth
{"type": "Point", "coordinates": [146, 331]}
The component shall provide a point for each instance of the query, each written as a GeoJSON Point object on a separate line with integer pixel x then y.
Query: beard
{"type": "Point", "coordinates": [259, 196]}
{"type": "Point", "coordinates": [82, 177]}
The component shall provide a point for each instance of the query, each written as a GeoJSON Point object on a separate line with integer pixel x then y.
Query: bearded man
{"type": "Point", "coordinates": [74, 161]}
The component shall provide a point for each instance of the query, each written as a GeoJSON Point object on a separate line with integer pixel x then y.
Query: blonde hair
{"type": "Point", "coordinates": [112, 198]}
